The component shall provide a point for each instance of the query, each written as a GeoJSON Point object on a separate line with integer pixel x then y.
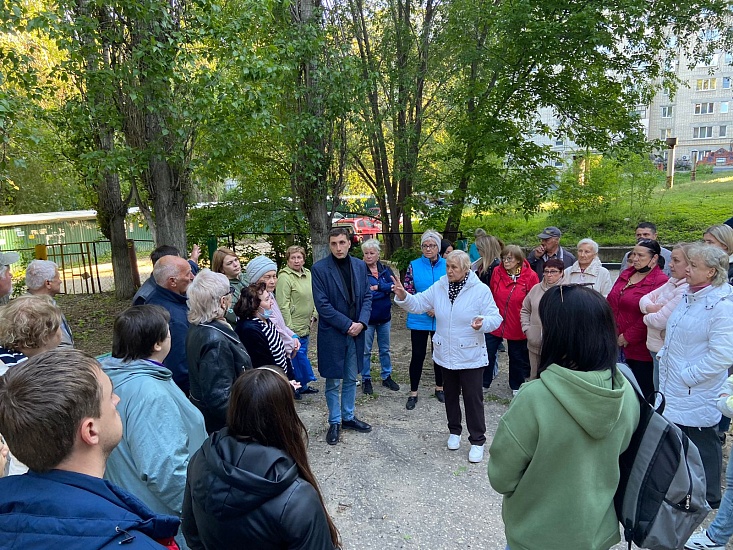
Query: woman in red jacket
{"type": "Point", "coordinates": [644, 275]}
{"type": "Point", "coordinates": [510, 284]}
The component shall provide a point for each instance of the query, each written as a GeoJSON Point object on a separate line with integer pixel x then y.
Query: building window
{"type": "Point", "coordinates": [558, 143]}
{"type": "Point", "coordinates": [723, 131]}
{"type": "Point", "coordinates": [665, 133]}
{"type": "Point", "coordinates": [726, 82]}
{"type": "Point", "coordinates": [704, 108]}
{"type": "Point", "coordinates": [728, 58]}
{"type": "Point", "coordinates": [705, 84]}
{"type": "Point", "coordinates": [723, 106]}
{"type": "Point", "coordinates": [667, 112]}
{"type": "Point", "coordinates": [699, 132]}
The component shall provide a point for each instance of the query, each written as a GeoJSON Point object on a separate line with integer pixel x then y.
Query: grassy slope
{"type": "Point", "coordinates": [681, 214]}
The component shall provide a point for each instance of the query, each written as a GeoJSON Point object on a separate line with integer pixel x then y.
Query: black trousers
{"type": "Point", "coordinates": [519, 368]}
{"type": "Point", "coordinates": [711, 452]}
{"type": "Point", "coordinates": [644, 374]}
{"type": "Point", "coordinates": [466, 382]}
{"type": "Point", "coordinates": [419, 340]}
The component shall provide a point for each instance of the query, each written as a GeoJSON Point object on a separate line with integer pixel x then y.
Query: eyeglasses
{"type": "Point", "coordinates": [231, 291]}
{"type": "Point", "coordinates": [551, 271]}
{"type": "Point", "coordinates": [428, 246]}
{"type": "Point", "coordinates": [508, 259]}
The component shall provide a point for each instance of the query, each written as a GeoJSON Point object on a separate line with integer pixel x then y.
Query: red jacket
{"type": "Point", "coordinates": [509, 295]}
{"type": "Point", "coordinates": [629, 318]}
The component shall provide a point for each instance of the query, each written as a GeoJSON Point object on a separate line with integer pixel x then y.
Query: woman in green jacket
{"type": "Point", "coordinates": [227, 262]}
{"type": "Point", "coordinates": [556, 450]}
{"type": "Point", "coordinates": [294, 295]}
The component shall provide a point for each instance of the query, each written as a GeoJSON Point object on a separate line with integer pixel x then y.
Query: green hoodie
{"type": "Point", "coordinates": [555, 459]}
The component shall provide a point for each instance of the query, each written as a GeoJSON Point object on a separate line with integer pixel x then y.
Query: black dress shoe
{"type": "Point", "coordinates": [366, 386]}
{"type": "Point", "coordinates": [411, 402]}
{"type": "Point", "coordinates": [297, 396]}
{"type": "Point", "coordinates": [334, 431]}
{"type": "Point", "coordinates": [356, 425]}
{"type": "Point", "coordinates": [308, 389]}
{"type": "Point", "coordinates": [440, 395]}
{"type": "Point", "coordinates": [391, 384]}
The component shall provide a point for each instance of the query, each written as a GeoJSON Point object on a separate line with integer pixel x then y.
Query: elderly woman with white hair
{"type": "Point", "coordinates": [697, 351]}
{"type": "Point", "coordinates": [380, 320]}
{"type": "Point", "coordinates": [464, 311]}
{"type": "Point", "coordinates": [587, 269]}
{"type": "Point", "coordinates": [216, 356]}
{"type": "Point", "coordinates": [423, 273]}
{"type": "Point", "coordinates": [42, 278]}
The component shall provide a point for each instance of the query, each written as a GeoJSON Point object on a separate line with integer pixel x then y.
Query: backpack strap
{"type": "Point", "coordinates": [651, 400]}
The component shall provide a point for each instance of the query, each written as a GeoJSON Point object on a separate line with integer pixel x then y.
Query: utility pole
{"type": "Point", "coordinates": [671, 142]}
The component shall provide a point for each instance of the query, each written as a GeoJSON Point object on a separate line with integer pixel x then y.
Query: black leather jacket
{"type": "Point", "coordinates": [216, 358]}
{"type": "Point", "coordinates": [241, 495]}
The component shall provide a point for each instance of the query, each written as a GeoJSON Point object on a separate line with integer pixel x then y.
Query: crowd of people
{"type": "Point", "coordinates": [219, 356]}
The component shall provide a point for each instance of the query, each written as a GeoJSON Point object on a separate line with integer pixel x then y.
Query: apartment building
{"type": "Point", "coordinates": [700, 114]}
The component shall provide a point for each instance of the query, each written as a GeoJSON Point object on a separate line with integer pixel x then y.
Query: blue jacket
{"type": "Point", "coordinates": [424, 275]}
{"type": "Point", "coordinates": [151, 462]}
{"type": "Point", "coordinates": [73, 511]}
{"type": "Point", "coordinates": [381, 298]}
{"type": "Point", "coordinates": [332, 303]}
{"type": "Point", "coordinates": [178, 308]}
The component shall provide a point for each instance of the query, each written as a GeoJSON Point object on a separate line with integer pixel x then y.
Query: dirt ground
{"type": "Point", "coordinates": [396, 487]}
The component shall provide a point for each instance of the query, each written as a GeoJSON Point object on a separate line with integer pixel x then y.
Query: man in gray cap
{"type": "Point", "coordinates": [6, 279]}
{"type": "Point", "coordinates": [549, 248]}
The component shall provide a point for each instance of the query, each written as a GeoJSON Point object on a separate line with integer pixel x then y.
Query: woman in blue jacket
{"type": "Point", "coordinates": [380, 322]}
{"type": "Point", "coordinates": [421, 275]}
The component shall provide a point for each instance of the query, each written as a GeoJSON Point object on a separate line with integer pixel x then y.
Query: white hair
{"type": "Point", "coordinates": [371, 244]}
{"type": "Point", "coordinates": [461, 258]}
{"type": "Point", "coordinates": [38, 272]}
{"type": "Point", "coordinates": [204, 294]}
{"type": "Point", "coordinates": [591, 242]}
{"type": "Point", "coordinates": [713, 258]}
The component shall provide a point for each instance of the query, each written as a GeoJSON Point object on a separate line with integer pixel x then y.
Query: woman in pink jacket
{"type": "Point", "coordinates": [632, 284]}
{"type": "Point", "coordinates": [659, 304]}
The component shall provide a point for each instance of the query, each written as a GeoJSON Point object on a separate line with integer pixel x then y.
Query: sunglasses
{"type": "Point", "coordinates": [231, 291]}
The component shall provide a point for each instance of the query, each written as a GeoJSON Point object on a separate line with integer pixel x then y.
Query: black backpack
{"type": "Point", "coordinates": [660, 499]}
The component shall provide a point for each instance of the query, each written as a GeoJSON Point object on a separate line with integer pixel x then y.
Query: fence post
{"type": "Point", "coordinates": [133, 262]}
{"type": "Point", "coordinates": [40, 252]}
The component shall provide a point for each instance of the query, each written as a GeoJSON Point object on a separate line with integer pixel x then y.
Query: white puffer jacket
{"type": "Point", "coordinates": [697, 351]}
{"type": "Point", "coordinates": [456, 345]}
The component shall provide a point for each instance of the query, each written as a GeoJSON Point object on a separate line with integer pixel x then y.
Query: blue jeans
{"type": "Point", "coordinates": [343, 409]}
{"type": "Point", "coordinates": [382, 332]}
{"type": "Point", "coordinates": [302, 368]}
{"type": "Point", "coordinates": [721, 529]}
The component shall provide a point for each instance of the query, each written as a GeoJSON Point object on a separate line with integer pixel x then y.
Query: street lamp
{"type": "Point", "coordinates": [671, 142]}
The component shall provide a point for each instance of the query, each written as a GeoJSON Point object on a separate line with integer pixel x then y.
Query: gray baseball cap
{"type": "Point", "coordinates": [549, 232]}
{"type": "Point", "coordinates": [7, 258]}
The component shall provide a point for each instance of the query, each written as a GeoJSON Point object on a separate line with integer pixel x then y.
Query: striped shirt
{"type": "Point", "coordinates": [275, 342]}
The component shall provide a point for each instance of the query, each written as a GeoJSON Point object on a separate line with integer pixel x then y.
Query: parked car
{"type": "Point", "coordinates": [364, 228]}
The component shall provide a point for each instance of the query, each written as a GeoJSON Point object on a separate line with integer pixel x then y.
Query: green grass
{"type": "Point", "coordinates": [681, 214]}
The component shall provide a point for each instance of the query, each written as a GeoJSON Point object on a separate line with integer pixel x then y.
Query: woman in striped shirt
{"type": "Point", "coordinates": [258, 333]}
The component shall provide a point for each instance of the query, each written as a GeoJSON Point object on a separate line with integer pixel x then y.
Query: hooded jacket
{"type": "Point", "coordinates": [161, 430]}
{"type": "Point", "coordinates": [243, 495]}
{"type": "Point", "coordinates": [216, 357]}
{"type": "Point", "coordinates": [668, 296]}
{"type": "Point", "coordinates": [294, 295]}
{"type": "Point", "coordinates": [456, 345]}
{"type": "Point", "coordinates": [509, 296]}
{"type": "Point", "coordinates": [381, 298]}
{"type": "Point", "coordinates": [73, 511]}
{"type": "Point", "coordinates": [555, 459]}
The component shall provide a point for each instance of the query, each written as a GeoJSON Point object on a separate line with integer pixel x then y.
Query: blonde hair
{"type": "Point", "coordinates": [713, 258]}
{"type": "Point", "coordinates": [203, 296]}
{"type": "Point", "coordinates": [489, 247]}
{"type": "Point", "coordinates": [295, 249]}
{"type": "Point", "coordinates": [723, 234]}
{"type": "Point", "coordinates": [515, 251]}
{"type": "Point", "coordinates": [29, 322]}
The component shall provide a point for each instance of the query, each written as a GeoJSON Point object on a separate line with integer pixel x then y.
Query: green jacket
{"type": "Point", "coordinates": [294, 295]}
{"type": "Point", "coordinates": [238, 285]}
{"type": "Point", "coordinates": [555, 459]}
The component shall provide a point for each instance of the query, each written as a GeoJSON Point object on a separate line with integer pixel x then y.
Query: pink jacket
{"type": "Point", "coordinates": [668, 295]}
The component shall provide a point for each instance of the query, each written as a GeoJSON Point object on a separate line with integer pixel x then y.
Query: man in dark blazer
{"type": "Point", "coordinates": [344, 303]}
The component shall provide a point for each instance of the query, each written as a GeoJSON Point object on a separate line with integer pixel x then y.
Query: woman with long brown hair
{"type": "Point", "coordinates": [250, 484]}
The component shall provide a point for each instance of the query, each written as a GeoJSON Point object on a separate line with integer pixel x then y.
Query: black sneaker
{"type": "Point", "coordinates": [366, 386]}
{"type": "Point", "coordinates": [391, 384]}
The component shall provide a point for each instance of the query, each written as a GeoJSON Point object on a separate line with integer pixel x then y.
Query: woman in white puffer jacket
{"type": "Point", "coordinates": [697, 351]}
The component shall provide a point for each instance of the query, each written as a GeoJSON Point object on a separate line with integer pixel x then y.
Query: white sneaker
{"type": "Point", "coordinates": [700, 541]}
{"type": "Point", "coordinates": [476, 454]}
{"type": "Point", "coordinates": [454, 441]}
{"type": "Point", "coordinates": [514, 393]}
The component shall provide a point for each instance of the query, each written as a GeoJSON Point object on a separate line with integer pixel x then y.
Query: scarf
{"type": "Point", "coordinates": [455, 288]}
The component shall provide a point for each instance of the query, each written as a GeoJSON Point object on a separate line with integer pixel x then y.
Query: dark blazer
{"type": "Point", "coordinates": [332, 303]}
{"type": "Point", "coordinates": [177, 306]}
